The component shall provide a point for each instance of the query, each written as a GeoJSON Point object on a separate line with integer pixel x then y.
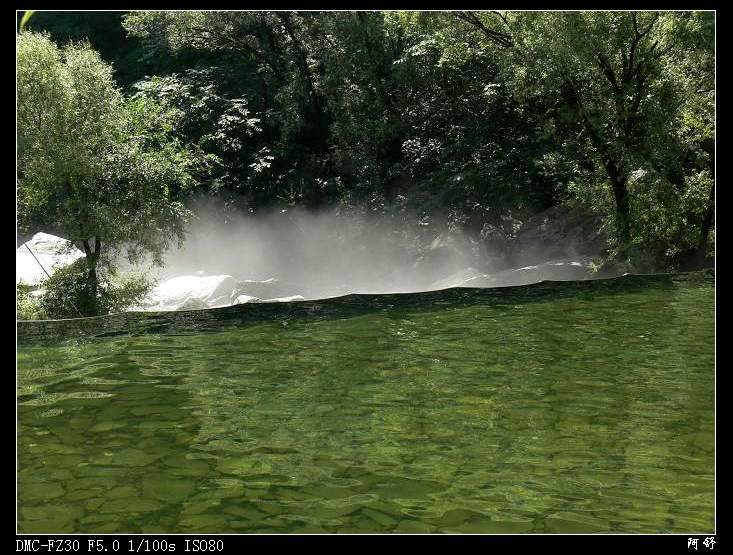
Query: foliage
{"type": "Point", "coordinates": [67, 294]}
{"type": "Point", "coordinates": [624, 104]}
{"type": "Point", "coordinates": [102, 170]}
{"type": "Point", "coordinates": [477, 115]}
{"type": "Point", "coordinates": [26, 305]}
{"type": "Point", "coordinates": [217, 123]}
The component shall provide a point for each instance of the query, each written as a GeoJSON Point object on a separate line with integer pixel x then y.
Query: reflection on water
{"type": "Point", "coordinates": [441, 412]}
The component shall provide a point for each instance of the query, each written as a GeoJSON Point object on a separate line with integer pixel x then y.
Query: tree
{"type": "Point", "coordinates": [617, 74]}
{"type": "Point", "coordinates": [280, 51]}
{"type": "Point", "coordinates": [632, 91]}
{"type": "Point", "coordinates": [104, 171]}
{"type": "Point", "coordinates": [489, 151]}
{"type": "Point", "coordinates": [477, 115]}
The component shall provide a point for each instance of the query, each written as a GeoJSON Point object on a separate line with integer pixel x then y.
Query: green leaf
{"type": "Point", "coordinates": [26, 16]}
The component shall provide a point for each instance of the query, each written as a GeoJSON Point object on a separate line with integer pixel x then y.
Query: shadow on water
{"type": "Point", "coordinates": [198, 321]}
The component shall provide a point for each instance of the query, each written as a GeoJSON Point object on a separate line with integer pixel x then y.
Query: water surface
{"type": "Point", "coordinates": [575, 407]}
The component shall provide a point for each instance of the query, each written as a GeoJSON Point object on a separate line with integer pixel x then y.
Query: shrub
{"type": "Point", "coordinates": [26, 306]}
{"type": "Point", "coordinates": [69, 295]}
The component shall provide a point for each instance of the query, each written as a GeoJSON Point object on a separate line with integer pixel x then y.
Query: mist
{"type": "Point", "coordinates": [325, 253]}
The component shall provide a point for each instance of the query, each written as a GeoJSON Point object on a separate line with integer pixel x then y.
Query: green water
{"type": "Point", "coordinates": [552, 408]}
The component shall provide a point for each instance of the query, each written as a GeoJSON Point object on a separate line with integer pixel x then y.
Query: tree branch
{"type": "Point", "coordinates": [605, 66]}
{"type": "Point", "coordinates": [502, 39]}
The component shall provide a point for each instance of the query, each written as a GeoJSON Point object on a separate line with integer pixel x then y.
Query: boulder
{"type": "Point", "coordinates": [284, 299]}
{"type": "Point", "coordinates": [258, 289]}
{"type": "Point", "coordinates": [201, 291]}
{"type": "Point", "coordinates": [51, 251]}
{"type": "Point", "coordinates": [455, 280]}
{"type": "Point", "coordinates": [552, 270]}
{"type": "Point", "coordinates": [244, 299]}
{"type": "Point", "coordinates": [191, 292]}
{"type": "Point", "coordinates": [559, 233]}
{"type": "Point", "coordinates": [190, 303]}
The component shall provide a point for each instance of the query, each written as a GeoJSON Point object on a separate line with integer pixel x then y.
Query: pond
{"type": "Point", "coordinates": [557, 407]}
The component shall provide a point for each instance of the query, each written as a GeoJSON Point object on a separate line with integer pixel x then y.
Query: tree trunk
{"type": "Point", "coordinates": [707, 221]}
{"type": "Point", "coordinates": [314, 109]}
{"type": "Point", "coordinates": [613, 165]}
{"type": "Point", "coordinates": [93, 287]}
{"type": "Point", "coordinates": [619, 183]}
{"type": "Point", "coordinates": [623, 209]}
{"type": "Point", "coordinates": [92, 259]}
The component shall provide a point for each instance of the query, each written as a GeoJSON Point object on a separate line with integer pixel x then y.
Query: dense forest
{"type": "Point", "coordinates": [472, 116]}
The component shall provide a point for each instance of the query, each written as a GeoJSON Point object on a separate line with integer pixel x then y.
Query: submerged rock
{"type": "Point", "coordinates": [51, 251]}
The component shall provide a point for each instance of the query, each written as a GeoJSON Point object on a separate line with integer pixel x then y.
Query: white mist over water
{"type": "Point", "coordinates": [232, 257]}
{"type": "Point", "coordinates": [325, 253]}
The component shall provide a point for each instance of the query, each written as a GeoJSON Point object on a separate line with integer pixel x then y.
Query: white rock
{"type": "Point", "coordinates": [192, 291]}
{"type": "Point", "coordinates": [51, 251]}
{"type": "Point", "coordinates": [556, 270]}
{"type": "Point", "coordinates": [245, 299]}
{"type": "Point", "coordinates": [553, 270]}
{"type": "Point", "coordinates": [200, 291]}
{"type": "Point", "coordinates": [284, 299]}
{"type": "Point", "coordinates": [190, 303]}
{"type": "Point", "coordinates": [456, 279]}
{"type": "Point", "coordinates": [259, 289]}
